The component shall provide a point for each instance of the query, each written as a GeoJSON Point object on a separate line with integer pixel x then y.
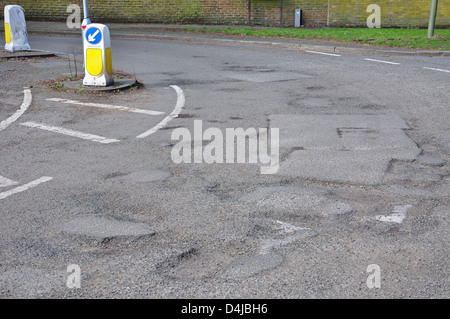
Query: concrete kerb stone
{"type": "Point", "coordinates": [119, 85]}
{"type": "Point", "coordinates": [432, 53]}
{"type": "Point", "coordinates": [354, 50]}
{"type": "Point", "coordinates": [321, 48]}
{"type": "Point", "coordinates": [25, 54]}
{"type": "Point", "coordinates": [394, 52]}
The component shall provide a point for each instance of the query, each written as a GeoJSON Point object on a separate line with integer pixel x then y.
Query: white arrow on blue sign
{"type": "Point", "coordinates": [93, 35]}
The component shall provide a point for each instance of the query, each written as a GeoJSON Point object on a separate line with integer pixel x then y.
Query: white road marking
{"type": "Point", "coordinates": [440, 70]}
{"type": "Point", "coordinates": [60, 130]}
{"type": "Point", "coordinates": [317, 52]}
{"type": "Point", "coordinates": [25, 187]}
{"type": "Point", "coordinates": [5, 182]}
{"type": "Point", "coordinates": [180, 104]}
{"type": "Point", "coordinates": [25, 104]}
{"type": "Point", "coordinates": [106, 106]}
{"type": "Point", "coordinates": [269, 243]}
{"type": "Point", "coordinates": [381, 61]}
{"type": "Point", "coordinates": [289, 228]}
{"type": "Point", "coordinates": [397, 216]}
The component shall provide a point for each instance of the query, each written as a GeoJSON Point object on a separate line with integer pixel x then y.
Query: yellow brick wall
{"type": "Point", "coordinates": [394, 13]}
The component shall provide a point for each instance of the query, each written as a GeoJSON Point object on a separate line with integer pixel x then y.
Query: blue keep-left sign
{"type": "Point", "coordinates": [93, 35]}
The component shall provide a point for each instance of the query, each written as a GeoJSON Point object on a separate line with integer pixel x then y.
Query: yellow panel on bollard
{"type": "Point", "coordinates": [16, 36]}
{"type": "Point", "coordinates": [108, 61]}
{"type": "Point", "coordinates": [97, 56]}
{"type": "Point", "coordinates": [94, 63]}
{"type": "Point", "coordinates": [7, 33]}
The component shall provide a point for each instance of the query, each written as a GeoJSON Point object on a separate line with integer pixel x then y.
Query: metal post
{"type": "Point", "coordinates": [249, 22]}
{"type": "Point", "coordinates": [281, 14]}
{"type": "Point", "coordinates": [328, 14]}
{"type": "Point", "coordinates": [86, 19]}
{"type": "Point", "coordinates": [432, 21]}
{"type": "Point", "coordinates": [84, 24]}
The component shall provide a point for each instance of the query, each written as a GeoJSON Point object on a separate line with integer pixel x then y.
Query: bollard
{"type": "Point", "coordinates": [16, 36]}
{"type": "Point", "coordinates": [298, 18]}
{"type": "Point", "coordinates": [97, 56]}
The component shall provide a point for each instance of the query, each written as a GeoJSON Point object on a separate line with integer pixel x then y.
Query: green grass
{"type": "Point", "coordinates": [395, 38]}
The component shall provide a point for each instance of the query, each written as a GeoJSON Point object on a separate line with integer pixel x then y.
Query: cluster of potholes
{"type": "Point", "coordinates": [105, 232]}
{"type": "Point", "coordinates": [270, 233]}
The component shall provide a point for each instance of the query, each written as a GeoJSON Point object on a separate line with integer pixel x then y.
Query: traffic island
{"type": "Point", "coordinates": [119, 85]}
{"type": "Point", "coordinates": [74, 84]}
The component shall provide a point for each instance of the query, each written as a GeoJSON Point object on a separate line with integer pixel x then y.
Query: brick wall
{"type": "Point", "coordinates": [264, 12]}
{"type": "Point", "coordinates": [394, 13]}
{"type": "Point", "coordinates": [398, 13]}
{"type": "Point", "coordinates": [233, 12]}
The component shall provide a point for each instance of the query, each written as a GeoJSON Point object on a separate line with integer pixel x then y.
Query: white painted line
{"type": "Point", "coordinates": [440, 70]}
{"type": "Point", "coordinates": [289, 228]}
{"type": "Point", "coordinates": [381, 61]}
{"type": "Point", "coordinates": [25, 104]}
{"type": "Point", "coordinates": [397, 216]}
{"type": "Point", "coordinates": [317, 52]}
{"type": "Point", "coordinates": [60, 130]}
{"type": "Point", "coordinates": [5, 182]}
{"type": "Point", "coordinates": [107, 106]}
{"type": "Point", "coordinates": [25, 187]}
{"type": "Point", "coordinates": [181, 100]}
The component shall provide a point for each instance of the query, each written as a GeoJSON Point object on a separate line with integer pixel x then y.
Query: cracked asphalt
{"type": "Point", "coordinates": [363, 175]}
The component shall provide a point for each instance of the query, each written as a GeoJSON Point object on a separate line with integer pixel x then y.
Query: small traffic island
{"type": "Point", "coordinates": [72, 83]}
{"type": "Point", "coordinates": [98, 75]}
{"type": "Point", "coordinates": [118, 85]}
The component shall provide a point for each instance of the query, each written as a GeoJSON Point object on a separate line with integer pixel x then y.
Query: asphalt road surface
{"type": "Point", "coordinates": [97, 201]}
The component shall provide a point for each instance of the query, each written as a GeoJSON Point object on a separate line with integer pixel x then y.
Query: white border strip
{"type": "Point", "coordinates": [60, 130]}
{"type": "Point", "coordinates": [25, 187]}
{"type": "Point", "coordinates": [381, 61]}
{"type": "Point", "coordinates": [181, 100]}
{"type": "Point", "coordinates": [440, 70]}
{"type": "Point", "coordinates": [323, 53]}
{"type": "Point", "coordinates": [106, 106]}
{"type": "Point", "coordinates": [27, 98]}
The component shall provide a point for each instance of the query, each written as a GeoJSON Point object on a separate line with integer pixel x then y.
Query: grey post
{"type": "Point", "coordinates": [86, 22]}
{"type": "Point", "coordinates": [281, 14]}
{"type": "Point", "coordinates": [432, 21]}
{"type": "Point", "coordinates": [249, 22]}
{"type": "Point", "coordinates": [86, 19]}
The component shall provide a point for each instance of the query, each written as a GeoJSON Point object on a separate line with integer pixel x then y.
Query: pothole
{"type": "Point", "coordinates": [104, 228]}
{"type": "Point", "coordinates": [250, 266]}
